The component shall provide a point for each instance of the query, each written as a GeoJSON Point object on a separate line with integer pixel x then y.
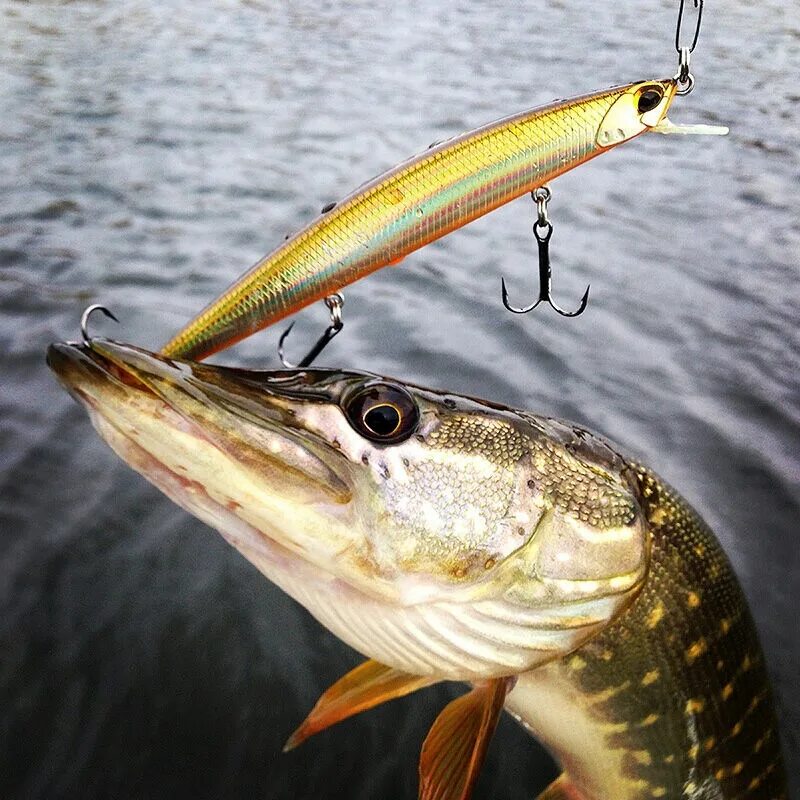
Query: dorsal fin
{"type": "Point", "coordinates": [364, 687]}
{"type": "Point", "coordinates": [454, 750]}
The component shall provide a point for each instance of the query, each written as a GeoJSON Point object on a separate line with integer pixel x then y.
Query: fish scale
{"type": "Point", "coordinates": [677, 684]}
{"type": "Point", "coordinates": [471, 542]}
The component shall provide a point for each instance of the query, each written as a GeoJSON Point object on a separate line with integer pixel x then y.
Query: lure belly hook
{"type": "Point", "coordinates": [543, 231]}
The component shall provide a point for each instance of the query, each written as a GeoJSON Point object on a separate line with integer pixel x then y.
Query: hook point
{"type": "Point", "coordinates": [334, 303]}
{"type": "Point", "coordinates": [85, 320]}
{"type": "Point", "coordinates": [508, 305]}
{"type": "Point", "coordinates": [280, 346]}
{"type": "Point", "coordinates": [579, 310]}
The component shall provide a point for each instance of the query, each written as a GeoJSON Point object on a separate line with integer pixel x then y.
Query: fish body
{"type": "Point", "coordinates": [453, 539]}
{"type": "Point", "coordinates": [420, 200]}
{"type": "Point", "coordinates": [672, 697]}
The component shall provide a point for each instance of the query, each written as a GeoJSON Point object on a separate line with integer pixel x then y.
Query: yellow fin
{"type": "Point", "coordinates": [364, 687]}
{"type": "Point", "coordinates": [456, 745]}
{"type": "Point", "coordinates": [560, 789]}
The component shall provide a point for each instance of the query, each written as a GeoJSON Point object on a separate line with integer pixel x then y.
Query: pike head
{"type": "Point", "coordinates": [441, 535]}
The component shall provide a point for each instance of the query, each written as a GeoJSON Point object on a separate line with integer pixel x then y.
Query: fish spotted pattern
{"type": "Point", "coordinates": [454, 539]}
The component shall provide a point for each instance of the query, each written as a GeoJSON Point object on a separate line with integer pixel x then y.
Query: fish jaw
{"type": "Point", "coordinates": [212, 446]}
{"type": "Point", "coordinates": [456, 552]}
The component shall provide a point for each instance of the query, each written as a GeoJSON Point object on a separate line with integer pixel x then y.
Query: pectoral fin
{"type": "Point", "coordinates": [364, 687]}
{"type": "Point", "coordinates": [454, 750]}
{"type": "Point", "coordinates": [560, 789]}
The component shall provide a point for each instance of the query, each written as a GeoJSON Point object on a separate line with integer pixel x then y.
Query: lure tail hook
{"type": "Point", "coordinates": [334, 303]}
{"type": "Point", "coordinates": [543, 231]}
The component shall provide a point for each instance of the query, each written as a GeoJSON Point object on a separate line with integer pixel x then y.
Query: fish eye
{"type": "Point", "coordinates": [382, 413]}
{"type": "Point", "coordinates": [649, 99]}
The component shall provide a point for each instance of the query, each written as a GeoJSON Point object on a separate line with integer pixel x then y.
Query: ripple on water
{"type": "Point", "coordinates": [150, 152]}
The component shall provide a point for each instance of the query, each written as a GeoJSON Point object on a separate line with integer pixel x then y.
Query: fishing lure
{"type": "Point", "coordinates": [424, 198]}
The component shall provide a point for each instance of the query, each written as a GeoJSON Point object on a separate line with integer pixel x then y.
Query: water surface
{"type": "Point", "coordinates": [149, 152]}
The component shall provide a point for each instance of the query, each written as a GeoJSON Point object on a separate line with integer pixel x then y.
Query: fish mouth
{"type": "Point", "coordinates": [238, 450]}
{"type": "Point", "coordinates": [270, 460]}
{"type": "Point", "coordinates": [221, 441]}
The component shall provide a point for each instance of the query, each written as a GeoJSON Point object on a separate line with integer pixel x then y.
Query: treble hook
{"type": "Point", "coordinates": [684, 77]}
{"type": "Point", "coordinates": [543, 230]}
{"type": "Point", "coordinates": [85, 321]}
{"type": "Point", "coordinates": [334, 303]}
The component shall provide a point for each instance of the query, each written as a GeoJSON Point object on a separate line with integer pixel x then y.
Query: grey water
{"type": "Point", "coordinates": [151, 151]}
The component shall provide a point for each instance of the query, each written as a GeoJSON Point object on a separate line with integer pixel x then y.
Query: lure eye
{"type": "Point", "coordinates": [382, 413]}
{"type": "Point", "coordinates": [649, 99]}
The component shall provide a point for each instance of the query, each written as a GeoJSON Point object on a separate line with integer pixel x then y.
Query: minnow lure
{"type": "Point", "coordinates": [452, 539]}
{"type": "Point", "coordinates": [424, 198]}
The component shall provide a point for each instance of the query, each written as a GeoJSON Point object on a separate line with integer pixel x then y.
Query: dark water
{"type": "Point", "coordinates": [150, 151]}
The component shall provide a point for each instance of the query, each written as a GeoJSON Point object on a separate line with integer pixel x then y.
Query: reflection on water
{"type": "Point", "coordinates": [149, 152]}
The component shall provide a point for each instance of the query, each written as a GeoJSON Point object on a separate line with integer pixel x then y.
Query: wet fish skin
{"type": "Point", "coordinates": [487, 543]}
{"type": "Point", "coordinates": [674, 692]}
{"type": "Point", "coordinates": [420, 200]}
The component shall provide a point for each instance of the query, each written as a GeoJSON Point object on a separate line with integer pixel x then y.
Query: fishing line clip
{"type": "Point", "coordinates": [543, 230]}
{"type": "Point", "coordinates": [334, 303]}
{"type": "Point", "coordinates": [684, 77]}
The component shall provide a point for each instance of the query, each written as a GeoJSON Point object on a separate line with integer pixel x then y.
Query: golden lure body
{"type": "Point", "coordinates": [452, 539]}
{"type": "Point", "coordinates": [422, 199]}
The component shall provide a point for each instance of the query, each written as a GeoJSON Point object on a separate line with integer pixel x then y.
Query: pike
{"type": "Point", "coordinates": [448, 538]}
{"type": "Point", "coordinates": [447, 186]}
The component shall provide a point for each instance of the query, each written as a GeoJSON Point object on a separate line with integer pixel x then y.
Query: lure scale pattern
{"type": "Point", "coordinates": [409, 206]}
